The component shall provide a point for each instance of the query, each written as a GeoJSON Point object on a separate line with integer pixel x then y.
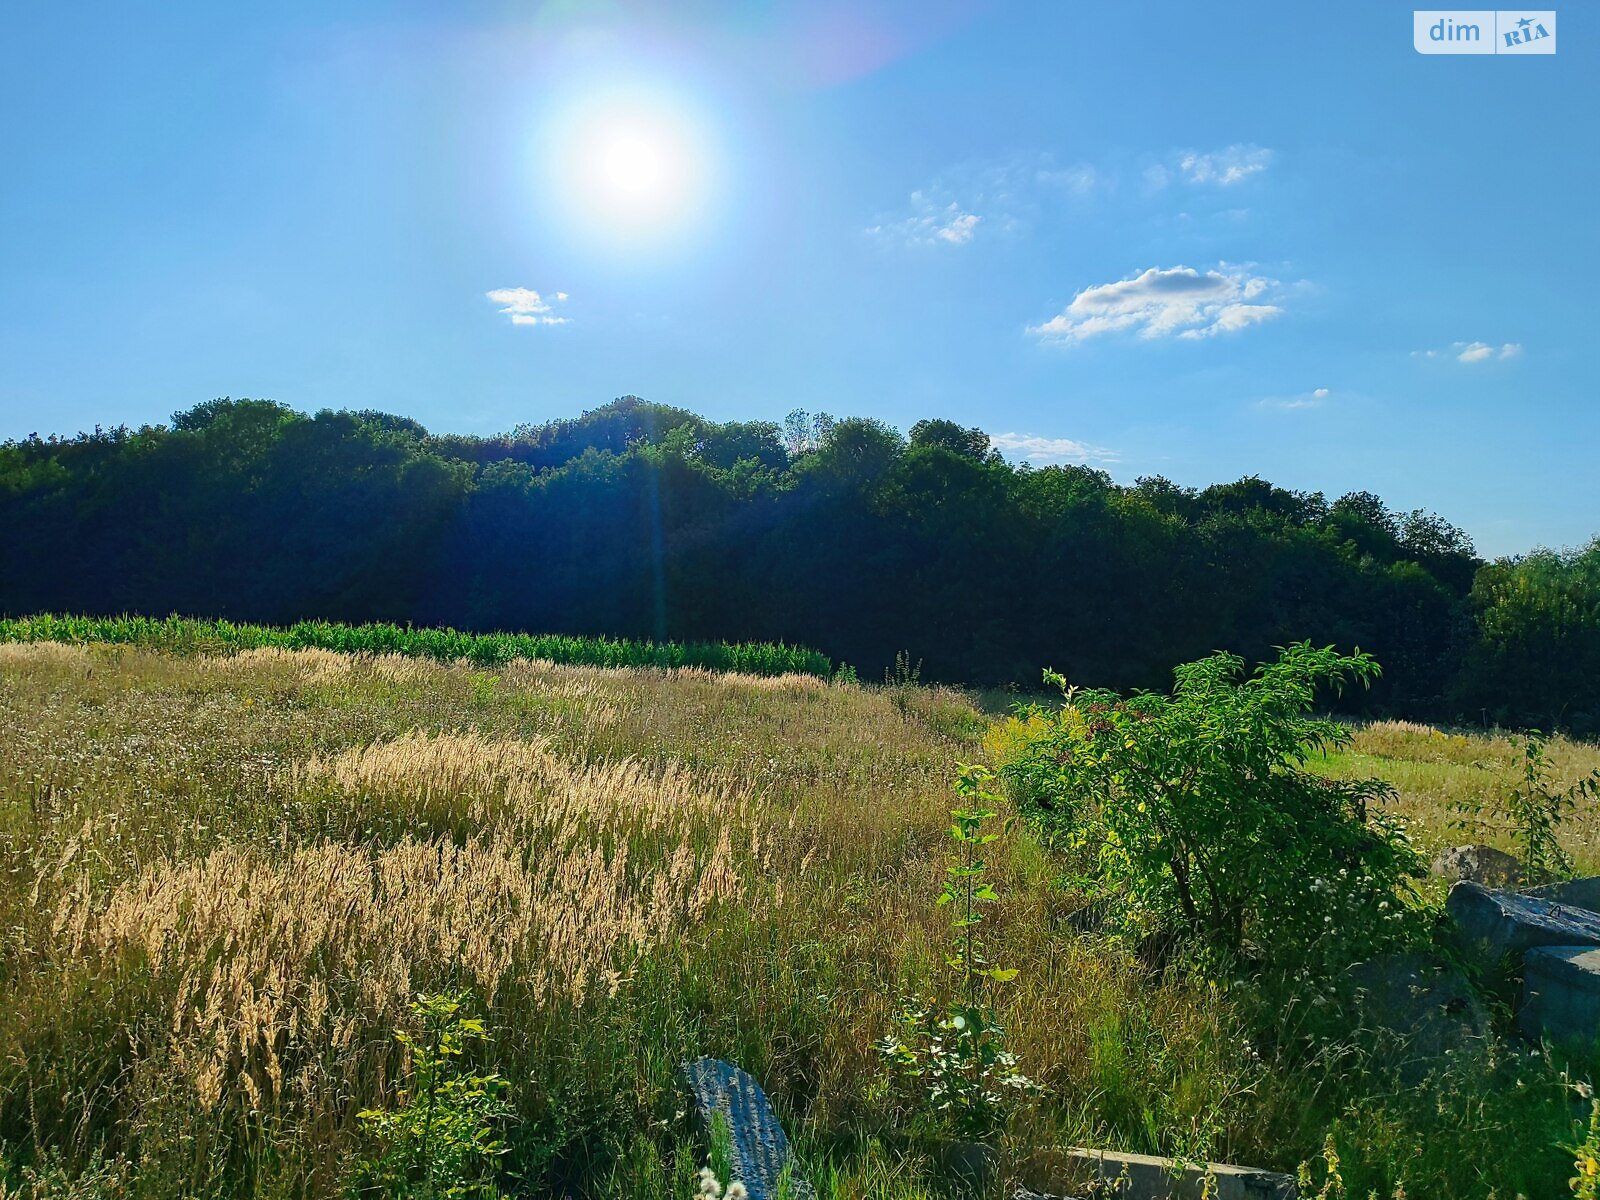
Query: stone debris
{"type": "Point", "coordinates": [1500, 927]}
{"type": "Point", "coordinates": [1092, 1174]}
{"type": "Point", "coordinates": [1428, 1006]}
{"type": "Point", "coordinates": [1539, 949]}
{"type": "Point", "coordinates": [1574, 893]}
{"type": "Point", "coordinates": [760, 1154]}
{"type": "Point", "coordinates": [1479, 864]}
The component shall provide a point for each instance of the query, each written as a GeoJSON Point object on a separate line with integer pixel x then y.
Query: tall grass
{"type": "Point", "coordinates": [1450, 783]}
{"type": "Point", "coordinates": [186, 635]}
{"type": "Point", "coordinates": [222, 877]}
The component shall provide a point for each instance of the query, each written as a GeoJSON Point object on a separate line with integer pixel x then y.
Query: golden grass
{"type": "Point", "coordinates": [547, 874]}
{"type": "Point", "coordinates": [252, 862]}
{"type": "Point", "coordinates": [223, 878]}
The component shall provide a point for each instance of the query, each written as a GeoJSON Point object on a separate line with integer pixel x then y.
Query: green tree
{"type": "Point", "coordinates": [969, 443]}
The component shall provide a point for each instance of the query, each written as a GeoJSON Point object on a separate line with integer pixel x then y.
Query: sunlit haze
{"type": "Point", "coordinates": [632, 167]}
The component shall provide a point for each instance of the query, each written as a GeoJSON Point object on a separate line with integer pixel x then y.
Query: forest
{"type": "Point", "coordinates": [639, 520]}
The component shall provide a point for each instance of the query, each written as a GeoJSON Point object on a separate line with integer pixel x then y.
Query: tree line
{"type": "Point", "coordinates": [640, 520]}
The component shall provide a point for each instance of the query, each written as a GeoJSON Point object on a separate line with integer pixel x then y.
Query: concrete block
{"type": "Point", "coordinates": [1498, 928]}
{"type": "Point", "coordinates": [759, 1149]}
{"type": "Point", "coordinates": [1426, 1006]}
{"type": "Point", "coordinates": [1561, 994]}
{"type": "Point", "coordinates": [1146, 1177]}
{"type": "Point", "coordinates": [1480, 864]}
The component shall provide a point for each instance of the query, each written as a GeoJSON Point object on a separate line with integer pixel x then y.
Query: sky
{"type": "Point", "coordinates": [1195, 240]}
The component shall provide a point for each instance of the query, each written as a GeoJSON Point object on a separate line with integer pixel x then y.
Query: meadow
{"type": "Point", "coordinates": [225, 876]}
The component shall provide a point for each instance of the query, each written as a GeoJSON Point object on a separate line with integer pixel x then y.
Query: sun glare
{"type": "Point", "coordinates": [632, 168]}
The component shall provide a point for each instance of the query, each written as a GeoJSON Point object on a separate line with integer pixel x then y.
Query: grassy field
{"type": "Point", "coordinates": [223, 877]}
{"type": "Point", "coordinates": [1436, 771]}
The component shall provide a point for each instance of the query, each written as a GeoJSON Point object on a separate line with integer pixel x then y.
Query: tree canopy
{"type": "Point", "coordinates": [644, 520]}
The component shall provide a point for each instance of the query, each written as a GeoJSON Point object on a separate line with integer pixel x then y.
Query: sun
{"type": "Point", "coordinates": [632, 167]}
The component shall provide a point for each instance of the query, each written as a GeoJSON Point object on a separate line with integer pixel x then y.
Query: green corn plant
{"type": "Point", "coordinates": [188, 636]}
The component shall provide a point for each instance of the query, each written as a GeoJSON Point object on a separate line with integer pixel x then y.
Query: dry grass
{"type": "Point", "coordinates": [226, 876]}
{"type": "Point", "coordinates": [221, 879]}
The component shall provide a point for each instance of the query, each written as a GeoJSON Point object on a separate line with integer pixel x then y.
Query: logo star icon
{"type": "Point", "coordinates": [1525, 22]}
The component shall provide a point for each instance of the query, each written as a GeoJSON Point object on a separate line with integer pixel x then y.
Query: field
{"type": "Point", "coordinates": [446, 645]}
{"type": "Point", "coordinates": [223, 878]}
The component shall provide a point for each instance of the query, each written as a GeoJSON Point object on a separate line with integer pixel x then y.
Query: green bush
{"type": "Point", "coordinates": [1195, 811]}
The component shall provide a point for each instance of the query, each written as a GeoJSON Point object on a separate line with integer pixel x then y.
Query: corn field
{"type": "Point", "coordinates": [186, 635]}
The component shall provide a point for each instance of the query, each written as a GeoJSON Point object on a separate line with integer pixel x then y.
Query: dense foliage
{"type": "Point", "coordinates": [642, 521]}
{"type": "Point", "coordinates": [1196, 810]}
{"type": "Point", "coordinates": [439, 1142]}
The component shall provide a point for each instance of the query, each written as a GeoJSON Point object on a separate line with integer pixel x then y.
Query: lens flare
{"type": "Point", "coordinates": [632, 167]}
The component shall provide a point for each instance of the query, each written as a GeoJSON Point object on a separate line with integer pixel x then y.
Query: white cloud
{"type": "Point", "coordinates": [1311, 399]}
{"type": "Point", "coordinates": [1031, 447]}
{"type": "Point", "coordinates": [1002, 195]}
{"type": "Point", "coordinates": [1166, 302]}
{"type": "Point", "coordinates": [1225, 167]}
{"type": "Point", "coordinates": [932, 222]}
{"type": "Point", "coordinates": [1473, 352]}
{"type": "Point", "coordinates": [1011, 194]}
{"type": "Point", "coordinates": [1078, 180]}
{"type": "Point", "coordinates": [1214, 168]}
{"type": "Point", "coordinates": [958, 229]}
{"type": "Point", "coordinates": [527, 307]}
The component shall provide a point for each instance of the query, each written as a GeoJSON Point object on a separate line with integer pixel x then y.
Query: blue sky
{"type": "Point", "coordinates": [1195, 240]}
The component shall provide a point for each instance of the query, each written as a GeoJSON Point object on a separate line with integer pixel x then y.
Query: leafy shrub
{"type": "Point", "coordinates": [1193, 808]}
{"type": "Point", "coordinates": [440, 1141]}
{"type": "Point", "coordinates": [901, 681]}
{"type": "Point", "coordinates": [1586, 1152]}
